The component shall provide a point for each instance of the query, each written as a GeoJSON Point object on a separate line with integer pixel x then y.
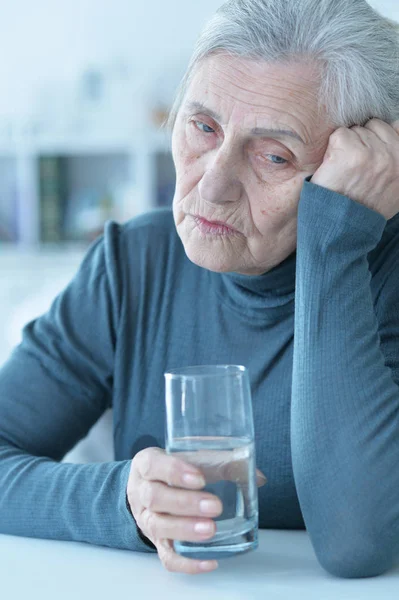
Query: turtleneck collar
{"type": "Point", "coordinates": [267, 297]}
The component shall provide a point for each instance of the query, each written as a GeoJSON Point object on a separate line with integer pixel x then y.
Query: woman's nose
{"type": "Point", "coordinates": [220, 183]}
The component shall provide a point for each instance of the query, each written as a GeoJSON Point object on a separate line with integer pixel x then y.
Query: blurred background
{"type": "Point", "coordinates": [86, 85]}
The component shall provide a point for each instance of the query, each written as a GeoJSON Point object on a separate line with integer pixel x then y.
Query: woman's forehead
{"type": "Point", "coordinates": [261, 96]}
{"type": "Point", "coordinates": [257, 76]}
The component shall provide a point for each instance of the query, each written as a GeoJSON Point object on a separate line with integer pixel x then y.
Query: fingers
{"type": "Point", "coordinates": [261, 479]}
{"type": "Point", "coordinates": [159, 497]}
{"type": "Point", "coordinates": [159, 526]}
{"type": "Point", "coordinates": [367, 136]}
{"type": "Point", "coordinates": [176, 563]}
{"type": "Point", "coordinates": [167, 505]}
{"type": "Point", "coordinates": [154, 464]}
{"type": "Point", "coordinates": [387, 133]}
{"type": "Point", "coordinates": [236, 470]}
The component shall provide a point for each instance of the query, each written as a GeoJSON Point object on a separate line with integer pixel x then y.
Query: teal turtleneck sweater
{"type": "Point", "coordinates": [319, 334]}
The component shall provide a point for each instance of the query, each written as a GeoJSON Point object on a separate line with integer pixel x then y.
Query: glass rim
{"type": "Point", "coordinates": [204, 371]}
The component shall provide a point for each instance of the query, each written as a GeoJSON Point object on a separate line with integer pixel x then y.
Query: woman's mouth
{"type": "Point", "coordinates": [213, 227]}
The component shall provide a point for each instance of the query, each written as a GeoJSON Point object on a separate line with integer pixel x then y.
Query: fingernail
{"type": "Point", "coordinates": [203, 527]}
{"type": "Point", "coordinates": [195, 480]}
{"type": "Point", "coordinates": [209, 507]}
{"type": "Point", "coordinates": [208, 565]}
{"type": "Point", "coordinates": [261, 480]}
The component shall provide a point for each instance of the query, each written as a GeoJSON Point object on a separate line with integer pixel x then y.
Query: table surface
{"type": "Point", "coordinates": [284, 566]}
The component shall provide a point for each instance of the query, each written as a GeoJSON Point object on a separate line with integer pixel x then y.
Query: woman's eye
{"type": "Point", "coordinates": [206, 128]}
{"type": "Point", "coordinates": [279, 160]}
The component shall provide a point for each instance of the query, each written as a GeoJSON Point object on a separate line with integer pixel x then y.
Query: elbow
{"type": "Point", "coordinates": [352, 561]}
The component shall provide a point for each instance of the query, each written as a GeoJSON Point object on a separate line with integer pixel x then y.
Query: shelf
{"type": "Point", "coordinates": [8, 199]}
{"type": "Point", "coordinates": [137, 172]}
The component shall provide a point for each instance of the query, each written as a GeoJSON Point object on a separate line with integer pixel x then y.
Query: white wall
{"type": "Point", "coordinates": [389, 8]}
{"type": "Point", "coordinates": [42, 39]}
{"type": "Point", "coordinates": [55, 39]}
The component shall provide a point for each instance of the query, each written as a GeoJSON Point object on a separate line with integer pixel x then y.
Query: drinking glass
{"type": "Point", "coordinates": [209, 424]}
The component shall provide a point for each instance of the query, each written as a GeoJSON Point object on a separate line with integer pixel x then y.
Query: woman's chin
{"type": "Point", "coordinates": [208, 260]}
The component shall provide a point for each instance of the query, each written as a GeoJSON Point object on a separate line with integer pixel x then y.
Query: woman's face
{"type": "Point", "coordinates": [238, 183]}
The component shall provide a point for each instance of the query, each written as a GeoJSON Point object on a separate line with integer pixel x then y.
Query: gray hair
{"type": "Point", "coordinates": [356, 48]}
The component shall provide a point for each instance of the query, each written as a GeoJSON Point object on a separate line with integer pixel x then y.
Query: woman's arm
{"type": "Point", "coordinates": [54, 387]}
{"type": "Point", "coordinates": [345, 394]}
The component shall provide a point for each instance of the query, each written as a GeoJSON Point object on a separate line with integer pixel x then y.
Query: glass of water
{"type": "Point", "coordinates": [209, 424]}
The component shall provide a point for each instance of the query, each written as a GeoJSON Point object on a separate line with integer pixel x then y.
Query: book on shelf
{"type": "Point", "coordinates": [74, 205]}
{"type": "Point", "coordinates": [9, 201]}
{"type": "Point", "coordinates": [9, 217]}
{"type": "Point", "coordinates": [53, 190]}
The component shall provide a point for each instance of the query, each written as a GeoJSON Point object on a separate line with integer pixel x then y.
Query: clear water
{"type": "Point", "coordinates": [228, 465]}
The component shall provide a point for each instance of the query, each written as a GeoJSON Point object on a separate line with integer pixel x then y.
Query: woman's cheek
{"type": "Point", "coordinates": [183, 145]}
{"type": "Point", "coordinates": [188, 174]}
{"type": "Point", "coordinates": [187, 153]}
{"type": "Point", "coordinates": [281, 202]}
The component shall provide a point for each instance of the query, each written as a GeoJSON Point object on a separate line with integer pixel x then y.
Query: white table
{"type": "Point", "coordinates": [284, 566]}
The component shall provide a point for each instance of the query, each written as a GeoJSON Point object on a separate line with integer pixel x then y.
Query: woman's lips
{"type": "Point", "coordinates": [213, 227]}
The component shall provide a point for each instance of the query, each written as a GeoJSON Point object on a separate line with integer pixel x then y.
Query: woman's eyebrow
{"type": "Point", "coordinates": [257, 131]}
{"type": "Point", "coordinates": [200, 107]}
{"type": "Point", "coordinates": [261, 131]}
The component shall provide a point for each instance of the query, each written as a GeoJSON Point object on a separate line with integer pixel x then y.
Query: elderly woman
{"type": "Point", "coordinates": [282, 254]}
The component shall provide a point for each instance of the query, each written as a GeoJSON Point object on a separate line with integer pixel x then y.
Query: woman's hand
{"type": "Point", "coordinates": [363, 164]}
{"type": "Point", "coordinates": [165, 499]}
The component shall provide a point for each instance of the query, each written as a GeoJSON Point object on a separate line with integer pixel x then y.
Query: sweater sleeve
{"type": "Point", "coordinates": [345, 394]}
{"type": "Point", "coordinates": [54, 387]}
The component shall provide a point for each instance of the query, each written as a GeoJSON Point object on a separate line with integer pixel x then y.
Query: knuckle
{"type": "Point", "coordinates": [145, 462]}
{"type": "Point", "coordinates": [172, 562]}
{"type": "Point", "coordinates": [337, 134]}
{"type": "Point", "coordinates": [334, 134]}
{"type": "Point", "coordinates": [134, 506]}
{"type": "Point", "coordinates": [162, 552]}
{"type": "Point", "coordinates": [169, 563]}
{"type": "Point", "coordinates": [148, 494]}
{"type": "Point", "coordinates": [173, 472]}
{"type": "Point", "coordinates": [140, 522]}
{"type": "Point", "coordinates": [150, 525]}
{"type": "Point", "coordinates": [166, 555]}
{"type": "Point", "coordinates": [132, 497]}
{"type": "Point", "coordinates": [182, 501]}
